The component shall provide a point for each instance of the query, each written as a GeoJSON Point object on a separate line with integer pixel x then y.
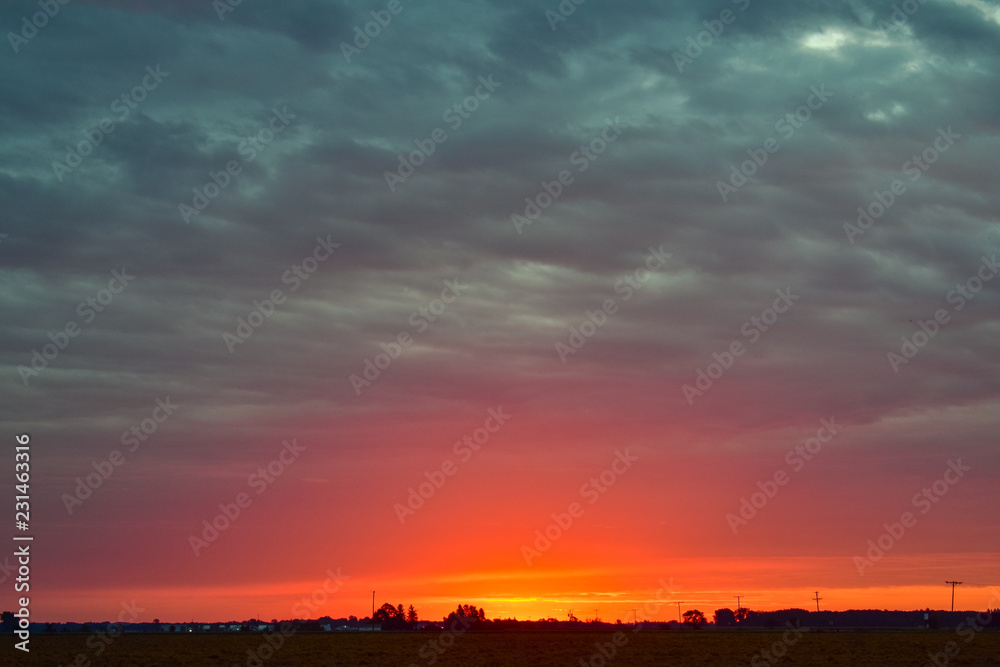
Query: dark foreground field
{"type": "Point", "coordinates": [568, 649]}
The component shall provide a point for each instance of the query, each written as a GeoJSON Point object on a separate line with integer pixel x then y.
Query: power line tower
{"type": "Point", "coordinates": [738, 607]}
{"type": "Point", "coordinates": [953, 584]}
{"type": "Point", "coordinates": [817, 598]}
{"type": "Point", "coordinates": [635, 619]}
{"type": "Point", "coordinates": [679, 610]}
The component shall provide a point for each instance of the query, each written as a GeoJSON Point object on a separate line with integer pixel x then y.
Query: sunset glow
{"type": "Point", "coordinates": [615, 312]}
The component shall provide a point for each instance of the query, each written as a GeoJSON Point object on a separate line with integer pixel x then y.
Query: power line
{"type": "Point", "coordinates": [953, 584]}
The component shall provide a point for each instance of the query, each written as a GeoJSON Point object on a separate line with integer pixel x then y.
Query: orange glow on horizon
{"type": "Point", "coordinates": [531, 595]}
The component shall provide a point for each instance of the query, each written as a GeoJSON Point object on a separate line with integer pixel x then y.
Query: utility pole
{"type": "Point", "coordinates": [953, 584]}
{"type": "Point", "coordinates": [679, 610]}
{"type": "Point", "coordinates": [817, 598]}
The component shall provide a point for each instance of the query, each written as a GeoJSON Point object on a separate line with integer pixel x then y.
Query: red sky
{"type": "Point", "coordinates": [662, 518]}
{"type": "Point", "coordinates": [308, 270]}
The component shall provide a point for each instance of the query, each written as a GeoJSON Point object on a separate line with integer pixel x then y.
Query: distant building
{"type": "Point", "coordinates": [176, 627]}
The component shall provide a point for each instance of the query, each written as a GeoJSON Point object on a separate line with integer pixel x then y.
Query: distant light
{"type": "Point", "coordinates": [825, 41]}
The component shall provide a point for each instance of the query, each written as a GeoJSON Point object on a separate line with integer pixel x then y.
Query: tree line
{"type": "Point", "coordinates": [396, 618]}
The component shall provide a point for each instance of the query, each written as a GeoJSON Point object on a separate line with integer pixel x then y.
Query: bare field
{"type": "Point", "coordinates": [856, 649]}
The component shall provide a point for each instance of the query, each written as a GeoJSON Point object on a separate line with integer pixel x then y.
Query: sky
{"type": "Point", "coordinates": [541, 307]}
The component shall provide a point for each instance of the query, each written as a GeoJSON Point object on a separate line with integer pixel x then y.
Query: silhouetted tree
{"type": "Point", "coordinates": [411, 615]}
{"type": "Point", "coordinates": [385, 613]}
{"type": "Point", "coordinates": [694, 618]}
{"type": "Point", "coordinates": [725, 618]}
{"type": "Point", "coordinates": [391, 618]}
{"type": "Point", "coordinates": [467, 611]}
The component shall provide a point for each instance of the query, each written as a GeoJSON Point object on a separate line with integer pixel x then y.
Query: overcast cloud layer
{"type": "Point", "coordinates": [646, 113]}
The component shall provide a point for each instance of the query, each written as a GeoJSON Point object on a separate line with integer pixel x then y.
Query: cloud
{"type": "Point", "coordinates": [323, 176]}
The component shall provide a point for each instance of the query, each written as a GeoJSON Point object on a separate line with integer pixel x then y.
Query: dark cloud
{"type": "Point", "coordinates": [323, 177]}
